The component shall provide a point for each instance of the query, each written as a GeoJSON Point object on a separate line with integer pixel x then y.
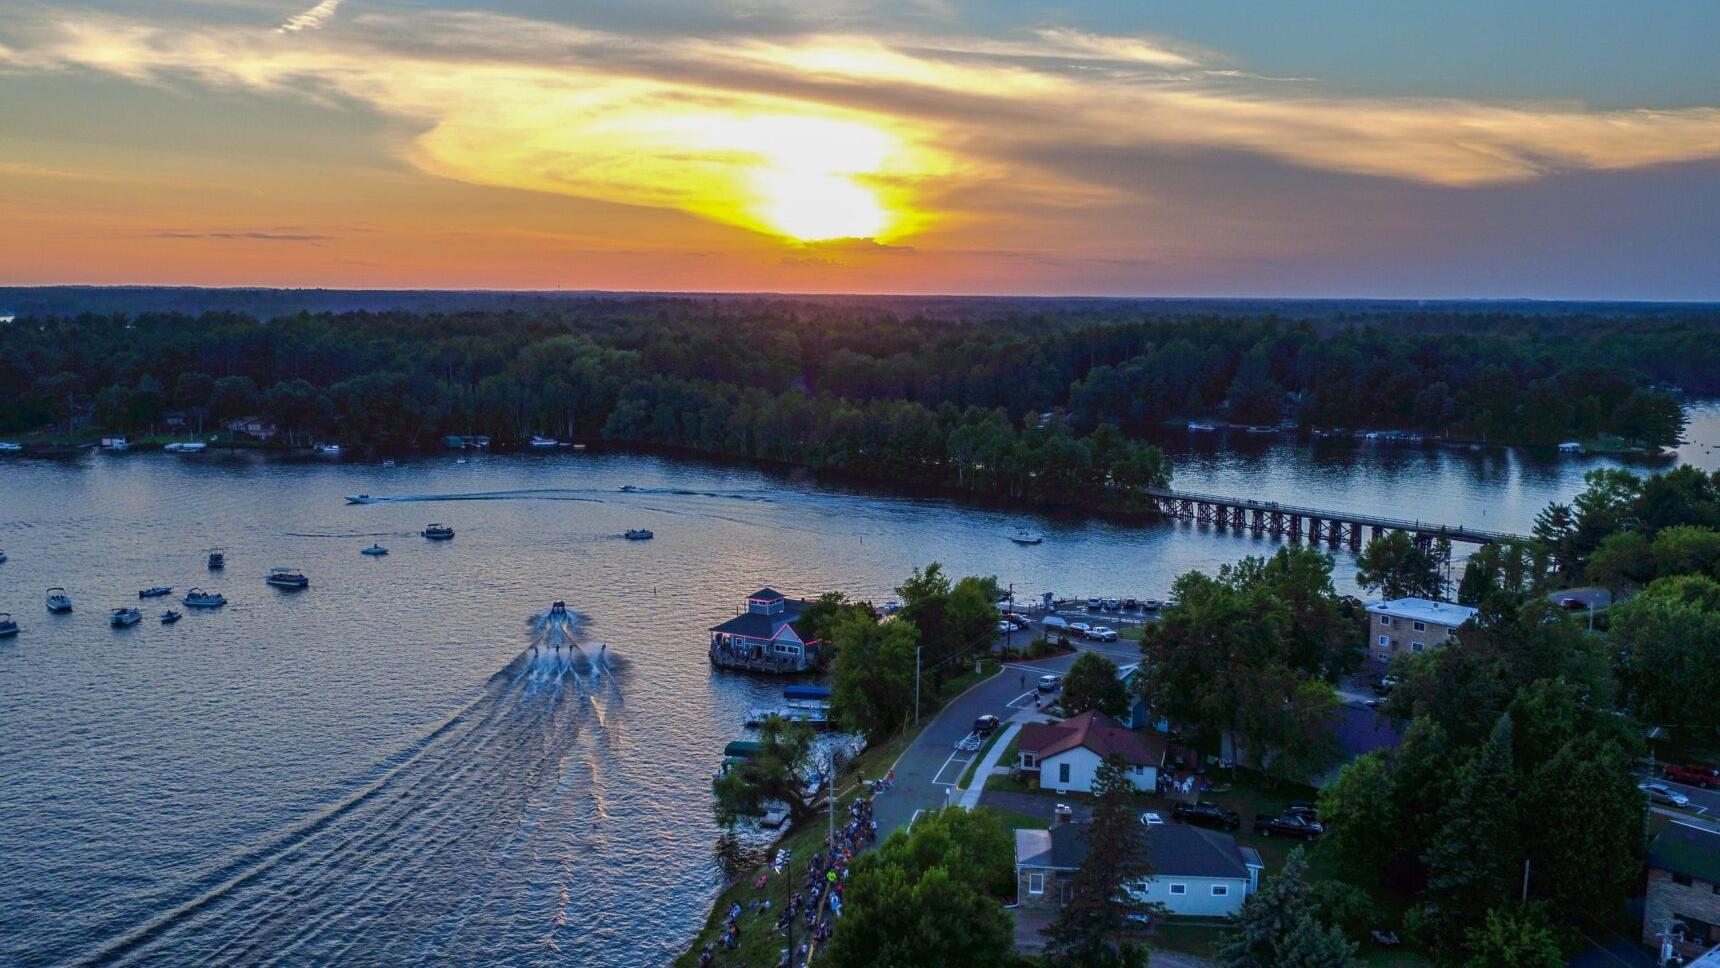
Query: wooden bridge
{"type": "Point", "coordinates": [1332, 528]}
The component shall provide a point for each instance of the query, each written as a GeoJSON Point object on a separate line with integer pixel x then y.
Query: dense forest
{"type": "Point", "coordinates": [1017, 399]}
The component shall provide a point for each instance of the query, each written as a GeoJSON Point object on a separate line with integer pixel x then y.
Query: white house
{"type": "Point", "coordinates": [1196, 873]}
{"type": "Point", "coordinates": [1066, 755]}
{"type": "Point", "coordinates": [1412, 624]}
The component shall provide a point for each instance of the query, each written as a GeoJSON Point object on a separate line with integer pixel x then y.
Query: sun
{"type": "Point", "coordinates": [812, 206]}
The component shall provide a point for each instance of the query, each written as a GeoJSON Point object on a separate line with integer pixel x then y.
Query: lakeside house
{"type": "Point", "coordinates": [1196, 872]}
{"type": "Point", "coordinates": [765, 637]}
{"type": "Point", "coordinates": [1067, 754]}
{"type": "Point", "coordinates": [1683, 889]}
{"type": "Point", "coordinates": [255, 428]}
{"type": "Point", "coordinates": [1412, 624]}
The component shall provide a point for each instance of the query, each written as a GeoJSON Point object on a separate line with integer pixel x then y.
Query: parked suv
{"type": "Point", "coordinates": [1285, 825]}
{"type": "Point", "coordinates": [1207, 815]}
{"type": "Point", "coordinates": [1102, 634]}
{"type": "Point", "coordinates": [985, 725]}
{"type": "Point", "coordinates": [1695, 774]}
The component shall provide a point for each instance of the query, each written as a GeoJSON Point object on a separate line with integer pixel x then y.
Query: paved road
{"type": "Point", "coordinates": [1704, 804]}
{"type": "Point", "coordinates": [931, 767]}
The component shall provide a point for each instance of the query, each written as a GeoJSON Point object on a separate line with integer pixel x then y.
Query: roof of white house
{"type": "Point", "coordinates": [1424, 610]}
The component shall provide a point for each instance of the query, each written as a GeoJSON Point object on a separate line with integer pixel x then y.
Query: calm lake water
{"type": "Point", "coordinates": [379, 771]}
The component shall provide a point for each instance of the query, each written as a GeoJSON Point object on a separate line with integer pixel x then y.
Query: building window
{"type": "Point", "coordinates": [1036, 883]}
{"type": "Point", "coordinates": [1421, 626]}
{"type": "Point", "coordinates": [1027, 761]}
{"type": "Point", "coordinates": [1384, 620]}
{"type": "Point", "coordinates": [1682, 880]}
{"type": "Point", "coordinates": [1179, 888]}
{"type": "Point", "coordinates": [1220, 890]}
{"type": "Point", "coordinates": [1062, 773]}
{"type": "Point", "coordinates": [1384, 641]}
{"type": "Point", "coordinates": [1416, 646]}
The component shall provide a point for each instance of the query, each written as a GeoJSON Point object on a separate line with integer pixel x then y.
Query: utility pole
{"type": "Point", "coordinates": [1525, 880]}
{"type": "Point", "coordinates": [917, 685]}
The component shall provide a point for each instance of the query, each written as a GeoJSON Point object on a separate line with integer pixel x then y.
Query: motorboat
{"type": "Point", "coordinates": [388, 463]}
{"type": "Point", "coordinates": [287, 578]}
{"type": "Point", "coordinates": [186, 447]}
{"type": "Point", "coordinates": [198, 598]}
{"type": "Point", "coordinates": [2, 557]}
{"type": "Point", "coordinates": [332, 450]}
{"type": "Point", "coordinates": [1023, 536]}
{"type": "Point", "coordinates": [1198, 426]}
{"type": "Point", "coordinates": [58, 600]}
{"type": "Point", "coordinates": [217, 559]}
{"type": "Point", "coordinates": [171, 615]}
{"type": "Point", "coordinates": [543, 442]}
{"type": "Point", "coordinates": [8, 447]}
{"type": "Point", "coordinates": [438, 532]}
{"type": "Point", "coordinates": [558, 610]}
{"type": "Point", "coordinates": [125, 617]}
{"type": "Point", "coordinates": [629, 488]}
{"type": "Point", "coordinates": [638, 534]}
{"type": "Point", "coordinates": [361, 499]}
{"type": "Point", "coordinates": [156, 592]}
{"type": "Point", "coordinates": [375, 551]}
{"type": "Point", "coordinates": [8, 628]}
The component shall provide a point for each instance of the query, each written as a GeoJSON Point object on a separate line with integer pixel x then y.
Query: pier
{"type": "Point", "coordinates": [1334, 529]}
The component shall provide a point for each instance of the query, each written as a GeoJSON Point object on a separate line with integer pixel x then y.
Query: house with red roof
{"type": "Point", "coordinates": [1067, 754]}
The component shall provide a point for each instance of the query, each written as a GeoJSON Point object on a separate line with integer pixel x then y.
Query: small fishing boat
{"type": "Point", "coordinates": [58, 600]}
{"type": "Point", "coordinates": [290, 578]}
{"type": "Point", "coordinates": [198, 598]}
{"type": "Point", "coordinates": [361, 499]}
{"type": "Point", "coordinates": [125, 617]}
{"type": "Point", "coordinates": [542, 442]}
{"type": "Point", "coordinates": [438, 532]}
{"type": "Point", "coordinates": [638, 534]}
{"type": "Point", "coordinates": [8, 628]}
{"type": "Point", "coordinates": [375, 551]}
{"type": "Point", "coordinates": [217, 559]}
{"type": "Point", "coordinates": [629, 488]}
{"type": "Point", "coordinates": [156, 592]}
{"type": "Point", "coordinates": [171, 615]}
{"type": "Point", "coordinates": [1023, 536]}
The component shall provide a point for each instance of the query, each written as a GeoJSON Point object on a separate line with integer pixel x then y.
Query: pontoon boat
{"type": "Point", "coordinates": [438, 532]}
{"type": "Point", "coordinates": [217, 559]}
{"type": "Point", "coordinates": [198, 598]}
{"type": "Point", "coordinates": [58, 600]}
{"type": "Point", "coordinates": [290, 578]}
{"type": "Point", "coordinates": [125, 617]}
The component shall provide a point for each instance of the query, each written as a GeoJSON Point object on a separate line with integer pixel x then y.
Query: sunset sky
{"type": "Point", "coordinates": [1536, 148]}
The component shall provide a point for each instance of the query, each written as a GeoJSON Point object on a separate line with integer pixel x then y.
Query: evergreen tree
{"type": "Point", "coordinates": [1397, 566]}
{"type": "Point", "coordinates": [1279, 927]}
{"type": "Point", "coordinates": [1512, 937]}
{"type": "Point", "coordinates": [1096, 926]}
{"type": "Point", "coordinates": [1475, 859]}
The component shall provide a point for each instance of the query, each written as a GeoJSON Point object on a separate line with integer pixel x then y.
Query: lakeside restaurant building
{"type": "Point", "coordinates": [764, 638]}
{"type": "Point", "coordinates": [1411, 625]}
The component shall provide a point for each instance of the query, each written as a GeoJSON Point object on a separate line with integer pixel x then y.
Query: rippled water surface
{"type": "Point", "coordinates": [383, 770]}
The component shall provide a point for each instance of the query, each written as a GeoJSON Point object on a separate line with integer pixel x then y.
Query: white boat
{"type": "Point", "coordinates": [388, 463]}
{"type": "Point", "coordinates": [543, 442]}
{"type": "Point", "coordinates": [1026, 537]}
{"type": "Point", "coordinates": [290, 578]}
{"type": "Point", "coordinates": [375, 551]}
{"type": "Point", "coordinates": [8, 628]}
{"type": "Point", "coordinates": [333, 450]}
{"type": "Point", "coordinates": [7, 447]}
{"type": "Point", "coordinates": [438, 532]}
{"type": "Point", "coordinates": [361, 499]}
{"type": "Point", "coordinates": [156, 592]}
{"type": "Point", "coordinates": [198, 598]}
{"type": "Point", "coordinates": [186, 447]}
{"type": "Point", "coordinates": [125, 617]}
{"type": "Point", "coordinates": [1201, 426]}
{"type": "Point", "coordinates": [58, 600]}
{"type": "Point", "coordinates": [116, 443]}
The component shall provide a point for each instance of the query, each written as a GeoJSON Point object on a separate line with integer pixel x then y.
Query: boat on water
{"type": "Point", "coordinates": [7, 447]}
{"type": "Point", "coordinates": [8, 628]}
{"type": "Point", "coordinates": [125, 617]}
{"type": "Point", "coordinates": [116, 443]}
{"type": "Point", "coordinates": [438, 532]}
{"type": "Point", "coordinates": [638, 534]}
{"type": "Point", "coordinates": [543, 442]}
{"type": "Point", "coordinates": [558, 610]}
{"type": "Point", "coordinates": [388, 463]}
{"type": "Point", "coordinates": [287, 578]}
{"type": "Point", "coordinates": [332, 450]}
{"type": "Point", "coordinates": [361, 499]}
{"type": "Point", "coordinates": [1200, 426]}
{"type": "Point", "coordinates": [171, 615]}
{"type": "Point", "coordinates": [375, 551]}
{"type": "Point", "coordinates": [629, 488]}
{"type": "Point", "coordinates": [198, 598]}
{"type": "Point", "coordinates": [156, 592]}
{"type": "Point", "coordinates": [58, 600]}
{"type": "Point", "coordinates": [1023, 536]}
{"type": "Point", "coordinates": [809, 714]}
{"type": "Point", "coordinates": [217, 559]}
{"type": "Point", "coordinates": [2, 557]}
{"type": "Point", "coordinates": [186, 447]}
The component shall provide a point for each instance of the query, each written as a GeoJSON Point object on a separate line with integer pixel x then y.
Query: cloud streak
{"type": "Point", "coordinates": [311, 19]}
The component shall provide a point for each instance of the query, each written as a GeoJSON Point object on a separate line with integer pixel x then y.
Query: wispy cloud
{"type": "Point", "coordinates": [311, 19]}
{"type": "Point", "coordinates": [252, 235]}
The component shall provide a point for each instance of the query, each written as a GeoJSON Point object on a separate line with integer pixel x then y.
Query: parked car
{"type": "Point", "coordinates": [1385, 684]}
{"type": "Point", "coordinates": [986, 725]}
{"type": "Point", "coordinates": [1207, 815]}
{"type": "Point", "coordinates": [1130, 604]}
{"type": "Point", "coordinates": [1695, 774]}
{"type": "Point", "coordinates": [1307, 811]}
{"type": "Point", "coordinates": [1004, 628]}
{"type": "Point", "coordinates": [1663, 794]}
{"type": "Point", "coordinates": [1150, 604]}
{"type": "Point", "coordinates": [1094, 604]}
{"type": "Point", "coordinates": [1285, 825]}
{"type": "Point", "coordinates": [1572, 604]}
{"type": "Point", "coordinates": [1112, 604]}
{"type": "Point", "coordinates": [1102, 634]}
{"type": "Point", "coordinates": [1049, 683]}
{"type": "Point", "coordinates": [1080, 628]}
{"type": "Point", "coordinates": [1374, 703]}
{"type": "Point", "coordinates": [1151, 819]}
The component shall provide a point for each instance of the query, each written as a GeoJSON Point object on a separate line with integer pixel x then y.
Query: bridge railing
{"type": "Point", "coordinates": [1372, 520]}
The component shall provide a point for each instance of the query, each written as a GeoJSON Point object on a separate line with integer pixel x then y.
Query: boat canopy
{"type": "Point", "coordinates": [806, 692]}
{"type": "Point", "coordinates": [743, 748]}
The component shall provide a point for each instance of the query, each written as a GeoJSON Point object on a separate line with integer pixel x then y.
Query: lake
{"type": "Point", "coordinates": [381, 770]}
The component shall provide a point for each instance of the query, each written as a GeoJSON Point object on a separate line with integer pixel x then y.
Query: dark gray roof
{"type": "Point", "coordinates": [1686, 849]}
{"type": "Point", "coordinates": [756, 626]}
{"type": "Point", "coordinates": [1176, 849]}
{"type": "Point", "coordinates": [766, 593]}
{"type": "Point", "coordinates": [1359, 730]}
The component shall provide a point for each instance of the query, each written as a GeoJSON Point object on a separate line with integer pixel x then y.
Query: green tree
{"type": "Point", "coordinates": [776, 773]}
{"type": "Point", "coordinates": [232, 397]}
{"type": "Point", "coordinates": [872, 675]}
{"type": "Point", "coordinates": [1622, 559]}
{"type": "Point", "coordinates": [898, 913]}
{"type": "Point", "coordinates": [1475, 857]}
{"type": "Point", "coordinates": [1092, 683]}
{"type": "Point", "coordinates": [1687, 549]}
{"type": "Point", "coordinates": [1512, 937]}
{"type": "Point", "coordinates": [1667, 638]}
{"type": "Point", "coordinates": [1358, 809]}
{"type": "Point", "coordinates": [1280, 928]}
{"type": "Point", "coordinates": [1397, 566]}
{"type": "Point", "coordinates": [1096, 927]}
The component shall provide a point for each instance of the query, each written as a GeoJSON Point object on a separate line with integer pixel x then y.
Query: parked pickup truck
{"type": "Point", "coordinates": [1207, 815]}
{"type": "Point", "coordinates": [1695, 774]}
{"type": "Point", "coordinates": [1286, 825]}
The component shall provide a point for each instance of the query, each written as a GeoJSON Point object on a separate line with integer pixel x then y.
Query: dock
{"type": "Point", "coordinates": [1316, 525]}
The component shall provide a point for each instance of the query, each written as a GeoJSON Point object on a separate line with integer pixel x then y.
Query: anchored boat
{"type": "Point", "coordinates": [1023, 536]}
{"type": "Point", "coordinates": [58, 600]}
{"type": "Point", "coordinates": [198, 598]}
{"type": "Point", "coordinates": [375, 551]}
{"type": "Point", "coordinates": [438, 532]}
{"type": "Point", "coordinates": [156, 592]}
{"type": "Point", "coordinates": [217, 559]}
{"type": "Point", "coordinates": [125, 617]}
{"type": "Point", "coordinates": [8, 628]}
{"type": "Point", "coordinates": [290, 578]}
{"type": "Point", "coordinates": [171, 615]}
{"type": "Point", "coordinates": [638, 534]}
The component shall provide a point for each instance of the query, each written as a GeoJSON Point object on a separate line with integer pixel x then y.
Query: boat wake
{"type": "Point", "coordinates": [412, 864]}
{"type": "Point", "coordinates": [590, 495]}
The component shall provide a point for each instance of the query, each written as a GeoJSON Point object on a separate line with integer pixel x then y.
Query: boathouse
{"type": "Point", "coordinates": [764, 637]}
